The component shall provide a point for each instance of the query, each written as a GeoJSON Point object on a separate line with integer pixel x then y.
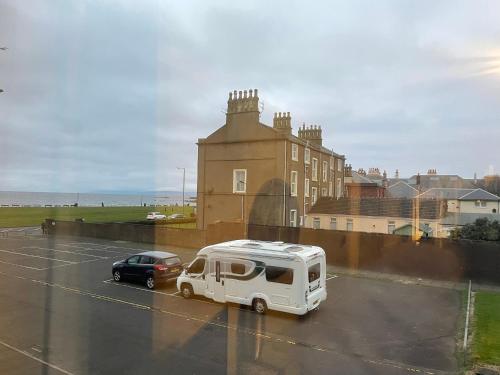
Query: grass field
{"type": "Point", "coordinates": [486, 347]}
{"type": "Point", "coordinates": [33, 216]}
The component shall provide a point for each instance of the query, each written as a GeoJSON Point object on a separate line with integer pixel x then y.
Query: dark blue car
{"type": "Point", "coordinates": [150, 267]}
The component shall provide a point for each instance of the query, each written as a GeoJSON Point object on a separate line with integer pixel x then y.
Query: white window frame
{"type": "Point", "coordinates": [333, 223]}
{"type": "Point", "coordinates": [293, 218]}
{"type": "Point", "coordinates": [306, 187]}
{"type": "Point", "coordinates": [314, 195]}
{"type": "Point", "coordinates": [349, 221]}
{"type": "Point", "coordinates": [314, 169]}
{"type": "Point", "coordinates": [295, 152]}
{"type": "Point", "coordinates": [307, 156]}
{"type": "Point", "coordinates": [332, 163]}
{"type": "Point", "coordinates": [339, 165]}
{"type": "Point", "coordinates": [330, 189]}
{"type": "Point", "coordinates": [339, 187]}
{"type": "Point", "coordinates": [325, 171]}
{"type": "Point", "coordinates": [480, 204]}
{"type": "Point", "coordinates": [235, 182]}
{"type": "Point", "coordinates": [391, 223]}
{"type": "Point", "coordinates": [324, 192]}
{"type": "Point", "coordinates": [293, 183]}
{"type": "Point", "coordinates": [316, 220]}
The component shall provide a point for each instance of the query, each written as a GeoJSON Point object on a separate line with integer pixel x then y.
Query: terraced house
{"type": "Point", "coordinates": [258, 174]}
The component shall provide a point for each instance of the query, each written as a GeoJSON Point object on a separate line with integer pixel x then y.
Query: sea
{"type": "Point", "coordinates": [49, 199]}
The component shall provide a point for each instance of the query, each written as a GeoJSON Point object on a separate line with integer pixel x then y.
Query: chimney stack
{"type": "Point", "coordinates": [282, 122]}
{"type": "Point", "coordinates": [312, 134]}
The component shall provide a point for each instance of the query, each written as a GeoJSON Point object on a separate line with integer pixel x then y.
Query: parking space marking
{"type": "Point", "coordinates": [26, 354]}
{"type": "Point", "coordinates": [37, 256]}
{"type": "Point", "coordinates": [20, 265]}
{"type": "Point", "coordinates": [276, 338]}
{"type": "Point", "coordinates": [89, 249]}
{"type": "Point", "coordinates": [64, 251]}
{"type": "Point", "coordinates": [331, 277]}
{"type": "Point", "coordinates": [111, 281]}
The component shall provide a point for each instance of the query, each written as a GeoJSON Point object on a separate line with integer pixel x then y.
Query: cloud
{"type": "Point", "coordinates": [113, 95]}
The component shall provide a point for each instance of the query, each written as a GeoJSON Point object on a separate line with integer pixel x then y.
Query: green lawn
{"type": "Point", "coordinates": [486, 346]}
{"type": "Point", "coordinates": [33, 216]}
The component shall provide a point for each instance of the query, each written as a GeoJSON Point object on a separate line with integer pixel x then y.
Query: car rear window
{"type": "Point", "coordinates": [170, 261]}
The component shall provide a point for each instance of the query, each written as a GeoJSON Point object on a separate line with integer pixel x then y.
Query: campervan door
{"type": "Point", "coordinates": [217, 269]}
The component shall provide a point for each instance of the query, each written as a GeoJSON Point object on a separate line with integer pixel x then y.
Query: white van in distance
{"type": "Point", "coordinates": [265, 275]}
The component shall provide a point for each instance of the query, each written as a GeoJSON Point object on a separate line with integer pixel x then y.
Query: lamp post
{"type": "Point", "coordinates": [183, 185]}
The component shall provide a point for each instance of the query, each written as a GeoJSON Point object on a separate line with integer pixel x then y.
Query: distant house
{"type": "Point", "coordinates": [462, 201]}
{"type": "Point", "coordinates": [258, 174]}
{"type": "Point", "coordinates": [360, 185]}
{"type": "Point", "coordinates": [384, 215]}
{"type": "Point", "coordinates": [433, 180]}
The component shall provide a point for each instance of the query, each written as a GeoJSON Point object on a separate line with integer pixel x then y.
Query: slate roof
{"type": "Point", "coordinates": [429, 181]}
{"type": "Point", "coordinates": [401, 189]}
{"type": "Point", "coordinates": [387, 207]}
{"type": "Point", "coordinates": [460, 194]}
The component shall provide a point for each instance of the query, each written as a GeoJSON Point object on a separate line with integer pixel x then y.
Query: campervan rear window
{"type": "Point", "coordinates": [279, 275]}
{"type": "Point", "coordinates": [314, 272]}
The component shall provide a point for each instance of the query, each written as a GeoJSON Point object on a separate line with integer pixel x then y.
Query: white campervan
{"type": "Point", "coordinates": [266, 275]}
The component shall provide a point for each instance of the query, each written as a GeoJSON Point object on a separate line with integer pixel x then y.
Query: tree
{"type": "Point", "coordinates": [481, 229]}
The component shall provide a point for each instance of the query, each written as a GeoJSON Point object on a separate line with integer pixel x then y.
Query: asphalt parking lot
{"type": "Point", "coordinates": [60, 313]}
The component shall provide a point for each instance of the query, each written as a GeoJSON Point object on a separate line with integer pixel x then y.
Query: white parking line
{"type": "Point", "coordinates": [89, 249]}
{"type": "Point", "coordinates": [64, 251]}
{"type": "Point", "coordinates": [20, 351]}
{"type": "Point", "coordinates": [20, 265]}
{"type": "Point", "coordinates": [331, 277]}
{"type": "Point", "coordinates": [111, 281]}
{"type": "Point", "coordinates": [37, 256]}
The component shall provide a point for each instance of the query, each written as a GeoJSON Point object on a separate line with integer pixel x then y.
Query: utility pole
{"type": "Point", "coordinates": [183, 185]}
{"type": "Point", "coordinates": [3, 49]}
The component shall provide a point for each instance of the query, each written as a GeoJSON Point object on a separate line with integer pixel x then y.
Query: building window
{"type": "Point", "coordinates": [293, 184]}
{"type": "Point", "coordinates": [307, 156]}
{"type": "Point", "coordinates": [481, 204]}
{"type": "Point", "coordinates": [239, 180]}
{"type": "Point", "coordinates": [391, 227]}
{"type": "Point", "coordinates": [323, 192]}
{"type": "Point", "coordinates": [332, 162]}
{"type": "Point", "coordinates": [349, 225]}
{"type": "Point", "coordinates": [316, 223]}
{"type": "Point", "coordinates": [333, 223]}
{"type": "Point", "coordinates": [330, 189]}
{"type": "Point", "coordinates": [306, 208]}
{"type": "Point", "coordinates": [339, 187]}
{"type": "Point", "coordinates": [325, 171]}
{"type": "Point", "coordinates": [306, 187]}
{"type": "Point", "coordinates": [295, 152]}
{"type": "Point", "coordinates": [314, 192]}
{"type": "Point", "coordinates": [293, 218]}
{"type": "Point", "coordinates": [315, 169]}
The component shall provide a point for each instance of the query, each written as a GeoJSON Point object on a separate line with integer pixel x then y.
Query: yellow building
{"type": "Point", "coordinates": [258, 174]}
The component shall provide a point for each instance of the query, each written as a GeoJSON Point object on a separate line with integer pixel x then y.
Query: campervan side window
{"type": "Point", "coordinates": [314, 272]}
{"type": "Point", "coordinates": [238, 268]}
{"type": "Point", "coordinates": [279, 275]}
{"type": "Point", "coordinates": [197, 267]}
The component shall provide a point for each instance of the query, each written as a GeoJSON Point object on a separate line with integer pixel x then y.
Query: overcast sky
{"type": "Point", "coordinates": [113, 95]}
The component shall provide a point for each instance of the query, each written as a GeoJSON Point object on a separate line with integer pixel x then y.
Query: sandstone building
{"type": "Point", "coordinates": [257, 174]}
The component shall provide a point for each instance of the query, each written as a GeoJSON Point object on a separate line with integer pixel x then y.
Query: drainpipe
{"type": "Point", "coordinates": [284, 189]}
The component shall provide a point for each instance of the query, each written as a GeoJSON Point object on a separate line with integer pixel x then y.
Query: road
{"type": "Point", "coordinates": [60, 313]}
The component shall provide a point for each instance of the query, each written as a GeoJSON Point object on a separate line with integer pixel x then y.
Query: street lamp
{"type": "Point", "coordinates": [183, 185]}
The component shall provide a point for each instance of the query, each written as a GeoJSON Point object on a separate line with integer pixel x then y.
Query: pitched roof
{"type": "Point", "coordinates": [428, 181]}
{"type": "Point", "coordinates": [460, 194]}
{"type": "Point", "coordinates": [401, 189]}
{"type": "Point", "coordinates": [387, 207]}
{"type": "Point", "coordinates": [444, 193]}
{"type": "Point", "coordinates": [480, 194]}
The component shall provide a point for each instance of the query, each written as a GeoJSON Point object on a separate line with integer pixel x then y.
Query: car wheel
{"type": "Point", "coordinates": [150, 282]}
{"type": "Point", "coordinates": [259, 305]}
{"type": "Point", "coordinates": [187, 290]}
{"type": "Point", "coordinates": [117, 276]}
